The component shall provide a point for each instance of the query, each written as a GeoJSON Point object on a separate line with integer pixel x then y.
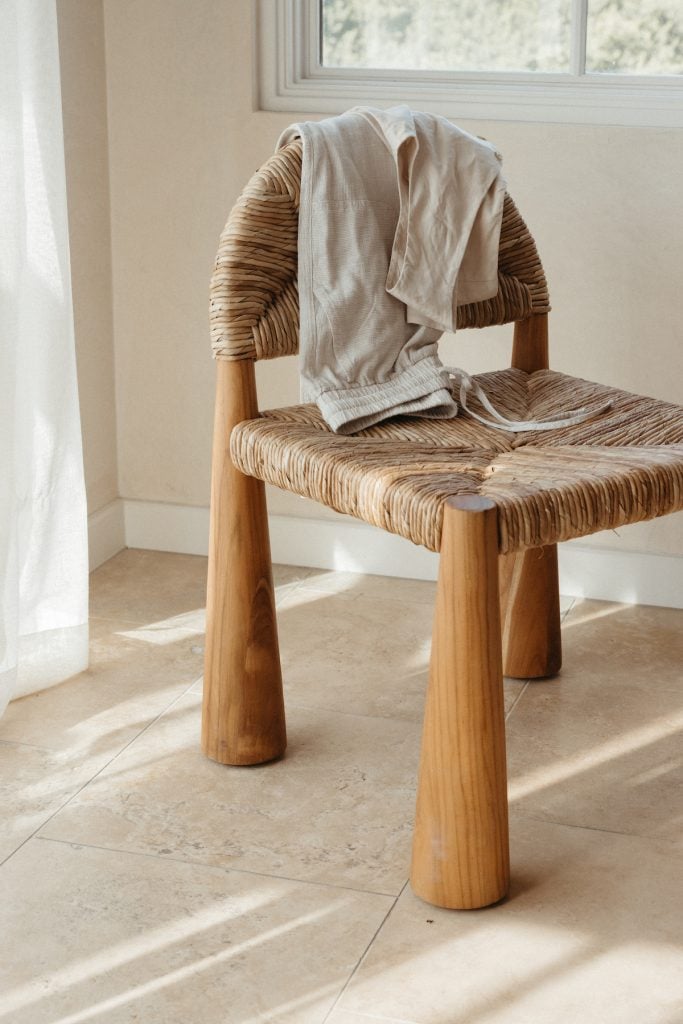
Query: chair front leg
{"type": "Point", "coordinates": [460, 844]}
{"type": "Point", "coordinates": [243, 718]}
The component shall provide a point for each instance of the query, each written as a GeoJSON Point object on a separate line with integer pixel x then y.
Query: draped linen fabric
{"type": "Point", "coordinates": [399, 223]}
{"type": "Point", "coordinates": [43, 525]}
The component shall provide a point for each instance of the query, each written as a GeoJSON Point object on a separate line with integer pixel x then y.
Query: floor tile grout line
{"type": "Point", "coordinates": [350, 714]}
{"type": "Point", "coordinates": [292, 588]}
{"type": "Point", "coordinates": [288, 588]}
{"type": "Point", "coordinates": [57, 751]}
{"type": "Point", "coordinates": [596, 828]}
{"type": "Point", "coordinates": [31, 746]}
{"type": "Point", "coordinates": [384, 718]}
{"type": "Point", "coordinates": [364, 953]}
{"type": "Point", "coordinates": [331, 593]}
{"type": "Point", "coordinates": [230, 870]}
{"type": "Point", "coordinates": [380, 1018]}
{"type": "Point", "coordinates": [92, 778]}
{"type": "Point", "coordinates": [306, 584]}
{"type": "Point", "coordinates": [517, 699]}
{"type": "Point", "coordinates": [122, 619]}
{"type": "Point", "coordinates": [146, 623]}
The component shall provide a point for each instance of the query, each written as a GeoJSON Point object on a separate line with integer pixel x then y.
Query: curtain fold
{"type": "Point", "coordinates": [43, 522]}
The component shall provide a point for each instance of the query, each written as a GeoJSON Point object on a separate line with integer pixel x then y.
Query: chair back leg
{"type": "Point", "coordinates": [530, 611]}
{"type": "Point", "coordinates": [243, 718]}
{"type": "Point", "coordinates": [529, 585]}
{"type": "Point", "coordinates": [460, 844]}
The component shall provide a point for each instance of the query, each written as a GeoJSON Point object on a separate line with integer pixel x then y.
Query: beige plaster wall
{"type": "Point", "coordinates": [605, 205]}
{"type": "Point", "coordinates": [84, 105]}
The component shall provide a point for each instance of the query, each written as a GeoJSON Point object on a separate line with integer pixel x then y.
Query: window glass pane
{"type": "Point", "coordinates": [452, 35]}
{"type": "Point", "coordinates": [637, 37]}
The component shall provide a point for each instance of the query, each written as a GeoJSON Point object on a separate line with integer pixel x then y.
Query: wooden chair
{"type": "Point", "coordinates": [494, 504]}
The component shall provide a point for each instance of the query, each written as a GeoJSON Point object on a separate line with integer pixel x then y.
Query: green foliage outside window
{"type": "Point", "coordinates": [624, 36]}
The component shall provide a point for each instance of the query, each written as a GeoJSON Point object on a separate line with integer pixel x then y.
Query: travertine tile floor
{"type": "Point", "coordinates": [141, 882]}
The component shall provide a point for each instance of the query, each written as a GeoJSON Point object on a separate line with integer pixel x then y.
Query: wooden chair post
{"type": "Point", "coordinates": [243, 720]}
{"type": "Point", "coordinates": [529, 584]}
{"type": "Point", "coordinates": [530, 344]}
{"type": "Point", "coordinates": [460, 844]}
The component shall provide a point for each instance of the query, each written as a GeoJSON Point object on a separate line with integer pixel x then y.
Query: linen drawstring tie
{"type": "Point", "coordinates": [469, 386]}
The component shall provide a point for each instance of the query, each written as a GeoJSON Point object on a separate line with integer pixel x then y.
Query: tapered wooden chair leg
{"type": "Point", "coordinates": [530, 612]}
{"type": "Point", "coordinates": [243, 720]}
{"type": "Point", "coordinates": [529, 585]}
{"type": "Point", "coordinates": [460, 844]}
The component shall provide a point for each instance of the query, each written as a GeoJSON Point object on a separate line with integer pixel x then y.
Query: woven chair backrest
{"type": "Point", "coordinates": [254, 309]}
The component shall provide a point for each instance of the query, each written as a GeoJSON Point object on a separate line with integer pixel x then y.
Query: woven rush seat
{"type": "Point", "coordinates": [622, 466]}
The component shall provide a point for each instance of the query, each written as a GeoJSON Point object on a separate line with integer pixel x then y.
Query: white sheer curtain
{"type": "Point", "coordinates": [43, 538]}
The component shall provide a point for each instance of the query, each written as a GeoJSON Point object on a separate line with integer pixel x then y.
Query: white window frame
{"type": "Point", "coordinates": [291, 78]}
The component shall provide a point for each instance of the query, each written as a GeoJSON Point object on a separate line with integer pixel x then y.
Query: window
{"type": "Point", "coordinates": [636, 37]}
{"type": "Point", "coordinates": [580, 61]}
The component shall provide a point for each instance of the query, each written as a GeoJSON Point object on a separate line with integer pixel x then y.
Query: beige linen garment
{"type": "Point", "coordinates": [399, 223]}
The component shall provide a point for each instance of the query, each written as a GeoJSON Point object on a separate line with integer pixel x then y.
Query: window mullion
{"type": "Point", "coordinates": [312, 16]}
{"type": "Point", "coordinates": [579, 29]}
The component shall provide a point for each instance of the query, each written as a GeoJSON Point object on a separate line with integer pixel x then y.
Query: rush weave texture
{"type": "Point", "coordinates": [254, 307]}
{"type": "Point", "coordinates": [623, 466]}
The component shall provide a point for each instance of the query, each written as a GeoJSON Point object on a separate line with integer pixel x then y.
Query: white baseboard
{"type": "Point", "coordinates": [348, 546]}
{"type": "Point", "coordinates": [605, 574]}
{"type": "Point", "coordinates": [630, 577]}
{"type": "Point", "coordinates": [161, 527]}
{"type": "Point", "coordinates": [106, 533]}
